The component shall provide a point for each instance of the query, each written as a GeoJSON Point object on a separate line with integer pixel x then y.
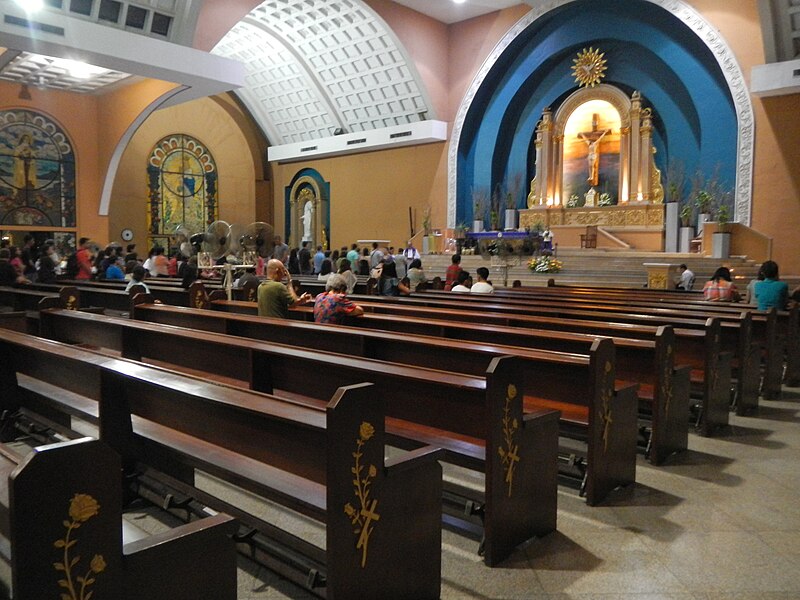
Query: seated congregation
{"type": "Point", "coordinates": [345, 407]}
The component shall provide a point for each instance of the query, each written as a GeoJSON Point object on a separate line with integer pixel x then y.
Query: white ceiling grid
{"type": "Point", "coordinates": [47, 72]}
{"type": "Point", "coordinates": [318, 65]}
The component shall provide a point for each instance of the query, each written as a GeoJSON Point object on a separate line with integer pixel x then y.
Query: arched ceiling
{"type": "Point", "coordinates": [318, 66]}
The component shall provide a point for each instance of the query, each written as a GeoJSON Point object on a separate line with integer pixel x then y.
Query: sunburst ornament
{"type": "Point", "coordinates": [589, 68]}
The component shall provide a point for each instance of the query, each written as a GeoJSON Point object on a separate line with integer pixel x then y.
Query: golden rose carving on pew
{"type": "Point", "coordinates": [510, 454]}
{"type": "Point", "coordinates": [82, 507]}
{"type": "Point", "coordinates": [363, 517]}
{"type": "Point", "coordinates": [605, 409]}
{"type": "Point", "coordinates": [72, 303]}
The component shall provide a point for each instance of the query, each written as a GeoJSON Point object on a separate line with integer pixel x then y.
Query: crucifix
{"type": "Point", "coordinates": [592, 140]}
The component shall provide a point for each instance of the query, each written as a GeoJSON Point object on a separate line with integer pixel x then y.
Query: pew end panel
{"type": "Point", "coordinates": [80, 520]}
{"type": "Point", "coordinates": [773, 356]}
{"type": "Point", "coordinates": [612, 427]}
{"type": "Point", "coordinates": [198, 297]}
{"type": "Point", "coordinates": [371, 503]}
{"type": "Point", "coordinates": [670, 433]}
{"type": "Point", "coordinates": [748, 368]}
{"type": "Point", "coordinates": [793, 347]}
{"type": "Point", "coordinates": [521, 464]}
{"type": "Point", "coordinates": [714, 413]}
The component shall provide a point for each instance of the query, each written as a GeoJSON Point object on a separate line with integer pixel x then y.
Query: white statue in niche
{"type": "Point", "coordinates": [308, 220]}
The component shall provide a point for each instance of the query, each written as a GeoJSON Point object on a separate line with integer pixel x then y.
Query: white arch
{"type": "Point", "coordinates": [122, 144]}
{"type": "Point", "coordinates": [704, 30]}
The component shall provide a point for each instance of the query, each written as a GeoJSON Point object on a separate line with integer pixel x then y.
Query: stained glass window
{"type": "Point", "coordinates": [37, 171]}
{"type": "Point", "coordinates": [182, 183]}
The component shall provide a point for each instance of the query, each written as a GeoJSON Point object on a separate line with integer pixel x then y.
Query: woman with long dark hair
{"type": "Point", "coordinates": [720, 288]}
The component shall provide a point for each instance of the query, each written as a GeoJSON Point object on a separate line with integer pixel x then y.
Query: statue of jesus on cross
{"type": "Point", "coordinates": [592, 140]}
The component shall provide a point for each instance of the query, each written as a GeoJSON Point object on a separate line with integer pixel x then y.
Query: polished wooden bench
{"type": "Point", "coordinates": [576, 382]}
{"type": "Point", "coordinates": [699, 348]}
{"type": "Point", "coordinates": [459, 413]}
{"type": "Point", "coordinates": [776, 345]}
{"type": "Point", "coordinates": [16, 320]}
{"type": "Point", "coordinates": [782, 346]}
{"type": "Point", "coordinates": [650, 361]}
{"type": "Point", "coordinates": [23, 298]}
{"type": "Point", "coordinates": [61, 528]}
{"type": "Point", "coordinates": [298, 456]}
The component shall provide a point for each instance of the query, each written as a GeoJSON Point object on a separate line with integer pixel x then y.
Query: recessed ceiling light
{"type": "Point", "coordinates": [78, 69]}
{"type": "Point", "coordinates": [459, 1]}
{"type": "Point", "coordinates": [31, 5]}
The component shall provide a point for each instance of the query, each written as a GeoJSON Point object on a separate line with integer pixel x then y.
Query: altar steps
{"type": "Point", "coordinates": [599, 267]}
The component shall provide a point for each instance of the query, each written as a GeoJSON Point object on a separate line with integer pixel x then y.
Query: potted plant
{"type": "Point", "coordinates": [703, 201]}
{"type": "Point", "coordinates": [478, 209]}
{"type": "Point", "coordinates": [722, 237]}
{"type": "Point", "coordinates": [686, 231]}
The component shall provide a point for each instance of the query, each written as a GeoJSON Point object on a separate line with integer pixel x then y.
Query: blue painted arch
{"type": "Point", "coordinates": [647, 49]}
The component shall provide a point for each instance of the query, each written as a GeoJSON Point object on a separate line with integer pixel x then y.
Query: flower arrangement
{"type": "Point", "coordinates": [573, 201]}
{"type": "Point", "coordinates": [545, 264]}
{"type": "Point", "coordinates": [605, 199]}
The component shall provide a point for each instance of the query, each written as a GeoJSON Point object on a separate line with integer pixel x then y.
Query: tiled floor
{"type": "Point", "coordinates": [720, 522]}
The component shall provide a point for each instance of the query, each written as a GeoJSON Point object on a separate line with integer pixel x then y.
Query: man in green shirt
{"type": "Point", "coordinates": [274, 298]}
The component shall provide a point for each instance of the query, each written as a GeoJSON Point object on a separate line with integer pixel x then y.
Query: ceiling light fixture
{"type": "Point", "coordinates": [77, 68]}
{"type": "Point", "coordinates": [30, 5]}
{"type": "Point", "coordinates": [459, 1]}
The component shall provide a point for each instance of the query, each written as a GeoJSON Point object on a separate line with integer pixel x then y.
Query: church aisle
{"type": "Point", "coordinates": [720, 522]}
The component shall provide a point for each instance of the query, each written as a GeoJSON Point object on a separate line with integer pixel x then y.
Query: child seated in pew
{"type": "Point", "coordinates": [464, 282]}
{"type": "Point", "coordinates": [137, 278]}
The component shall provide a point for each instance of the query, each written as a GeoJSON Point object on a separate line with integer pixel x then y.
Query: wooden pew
{"type": "Point", "coordinates": [458, 413]}
{"type": "Point", "coordinates": [577, 384]}
{"type": "Point", "coordinates": [14, 320]}
{"type": "Point", "coordinates": [699, 348]}
{"type": "Point", "coordinates": [60, 526]}
{"type": "Point", "coordinates": [786, 344]}
{"type": "Point", "coordinates": [774, 346]}
{"type": "Point", "coordinates": [23, 298]}
{"type": "Point", "coordinates": [295, 455]}
{"type": "Point", "coordinates": [650, 361]}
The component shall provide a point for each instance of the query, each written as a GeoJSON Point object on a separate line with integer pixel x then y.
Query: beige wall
{"type": "Point", "coordinates": [210, 124]}
{"type": "Point", "coordinates": [370, 193]}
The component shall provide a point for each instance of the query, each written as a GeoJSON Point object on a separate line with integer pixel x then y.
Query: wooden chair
{"type": "Point", "coordinates": [589, 239]}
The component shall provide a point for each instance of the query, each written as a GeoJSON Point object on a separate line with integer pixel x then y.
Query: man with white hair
{"type": "Point", "coordinates": [274, 298]}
